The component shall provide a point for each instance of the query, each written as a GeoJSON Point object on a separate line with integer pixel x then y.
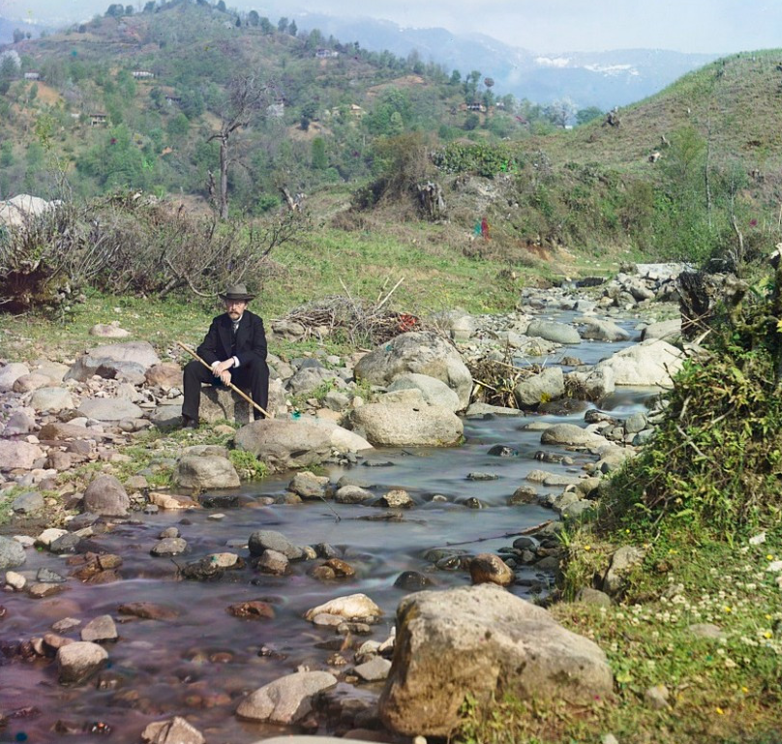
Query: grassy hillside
{"type": "Point", "coordinates": [691, 172]}
{"type": "Point", "coordinates": [131, 101]}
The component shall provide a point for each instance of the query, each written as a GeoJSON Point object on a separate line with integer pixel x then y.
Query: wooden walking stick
{"type": "Point", "coordinates": [230, 384]}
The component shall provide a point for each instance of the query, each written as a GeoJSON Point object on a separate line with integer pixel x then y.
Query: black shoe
{"type": "Point", "coordinates": [189, 423]}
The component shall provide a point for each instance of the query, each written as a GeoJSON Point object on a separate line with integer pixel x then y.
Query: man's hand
{"type": "Point", "coordinates": [220, 370]}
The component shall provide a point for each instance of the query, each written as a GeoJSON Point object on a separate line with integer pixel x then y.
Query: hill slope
{"type": "Point", "coordinates": [135, 101]}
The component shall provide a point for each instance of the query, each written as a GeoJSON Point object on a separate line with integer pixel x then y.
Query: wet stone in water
{"type": "Point", "coordinates": [219, 501]}
{"type": "Point", "coordinates": [501, 450]}
{"type": "Point", "coordinates": [254, 610]}
{"type": "Point", "coordinates": [477, 476]}
{"type": "Point", "coordinates": [412, 581]}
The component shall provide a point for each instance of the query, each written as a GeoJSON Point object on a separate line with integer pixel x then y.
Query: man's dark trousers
{"type": "Point", "coordinates": [247, 344]}
{"type": "Point", "coordinates": [252, 376]}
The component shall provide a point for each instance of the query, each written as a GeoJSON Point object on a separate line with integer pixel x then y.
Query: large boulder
{"type": "Point", "coordinates": [165, 376]}
{"type": "Point", "coordinates": [667, 330]}
{"type": "Point", "coordinates": [175, 731]}
{"type": "Point", "coordinates": [286, 700]}
{"type": "Point", "coordinates": [16, 212]}
{"type": "Point", "coordinates": [540, 388]}
{"type": "Point", "coordinates": [20, 455]}
{"type": "Point", "coordinates": [204, 472]}
{"type": "Point", "coordinates": [284, 443]}
{"type": "Point", "coordinates": [602, 330]}
{"type": "Point", "coordinates": [78, 661]}
{"type": "Point", "coordinates": [571, 435]}
{"type": "Point", "coordinates": [130, 360]}
{"type": "Point", "coordinates": [651, 363]}
{"type": "Point", "coordinates": [424, 353]}
{"type": "Point", "coordinates": [434, 391]}
{"type": "Point", "coordinates": [482, 641]}
{"type": "Point", "coordinates": [51, 399]}
{"type": "Point", "coordinates": [405, 419]}
{"type": "Point", "coordinates": [220, 403]}
{"type": "Point", "coordinates": [553, 331]}
{"type": "Point", "coordinates": [106, 496]}
{"type": "Point", "coordinates": [11, 553]}
{"type": "Point", "coordinates": [341, 439]}
{"type": "Point", "coordinates": [591, 384]}
{"type": "Point", "coordinates": [109, 409]}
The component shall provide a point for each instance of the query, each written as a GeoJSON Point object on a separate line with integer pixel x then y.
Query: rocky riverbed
{"type": "Point", "coordinates": [234, 608]}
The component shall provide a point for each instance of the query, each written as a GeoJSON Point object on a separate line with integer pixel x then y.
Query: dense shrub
{"type": "Point", "coordinates": [715, 461]}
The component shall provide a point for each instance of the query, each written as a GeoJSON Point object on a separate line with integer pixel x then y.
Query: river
{"type": "Point", "coordinates": [199, 665]}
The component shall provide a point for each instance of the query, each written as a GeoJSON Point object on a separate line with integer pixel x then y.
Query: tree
{"type": "Point", "coordinates": [221, 6]}
{"type": "Point", "coordinates": [246, 97]}
{"type": "Point", "coordinates": [128, 10]}
{"type": "Point", "coordinates": [7, 74]}
{"type": "Point", "coordinates": [18, 35]}
{"type": "Point", "coordinates": [585, 115]}
{"type": "Point", "coordinates": [292, 28]}
{"type": "Point", "coordinates": [282, 25]}
{"type": "Point", "coordinates": [178, 126]}
{"type": "Point", "coordinates": [253, 19]}
{"type": "Point", "coordinates": [319, 159]}
{"type": "Point", "coordinates": [559, 113]}
{"type": "Point", "coordinates": [266, 25]}
{"type": "Point", "coordinates": [456, 78]}
{"type": "Point", "coordinates": [149, 7]}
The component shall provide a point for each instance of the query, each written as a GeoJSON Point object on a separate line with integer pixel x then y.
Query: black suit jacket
{"type": "Point", "coordinates": [250, 339]}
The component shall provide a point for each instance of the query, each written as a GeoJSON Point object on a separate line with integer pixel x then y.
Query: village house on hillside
{"type": "Point", "coordinates": [142, 74]}
{"type": "Point", "coordinates": [326, 54]}
{"type": "Point", "coordinates": [32, 76]}
{"type": "Point", "coordinates": [98, 119]}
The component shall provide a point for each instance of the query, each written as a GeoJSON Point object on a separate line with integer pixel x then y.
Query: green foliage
{"type": "Point", "coordinates": [319, 157]}
{"type": "Point", "coordinates": [715, 462]}
{"type": "Point", "coordinates": [487, 160]}
{"type": "Point", "coordinates": [585, 115]}
{"type": "Point", "coordinates": [247, 465]}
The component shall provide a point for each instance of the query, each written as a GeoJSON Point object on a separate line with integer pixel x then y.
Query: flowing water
{"type": "Point", "coordinates": [200, 664]}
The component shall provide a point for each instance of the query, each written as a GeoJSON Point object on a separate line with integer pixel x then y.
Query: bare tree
{"type": "Point", "coordinates": [246, 96]}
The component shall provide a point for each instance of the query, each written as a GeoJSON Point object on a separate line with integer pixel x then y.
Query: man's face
{"type": "Point", "coordinates": [235, 308]}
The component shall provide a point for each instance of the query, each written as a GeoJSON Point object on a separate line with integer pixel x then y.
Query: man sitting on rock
{"type": "Point", "coordinates": [235, 347]}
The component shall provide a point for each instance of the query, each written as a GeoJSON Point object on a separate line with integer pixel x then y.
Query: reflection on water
{"type": "Point", "coordinates": [200, 664]}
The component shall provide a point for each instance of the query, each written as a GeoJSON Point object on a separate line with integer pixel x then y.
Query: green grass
{"type": "Point", "coordinates": [722, 690]}
{"type": "Point", "coordinates": [436, 276]}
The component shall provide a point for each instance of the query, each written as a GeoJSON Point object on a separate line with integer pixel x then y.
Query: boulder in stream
{"type": "Point", "coordinates": [175, 731]}
{"type": "Point", "coordinates": [482, 641]}
{"type": "Point", "coordinates": [78, 661]}
{"type": "Point", "coordinates": [286, 700]}
{"type": "Point", "coordinates": [424, 353]}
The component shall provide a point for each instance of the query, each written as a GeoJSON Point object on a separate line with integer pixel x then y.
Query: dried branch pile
{"type": "Point", "coordinates": [362, 323]}
{"type": "Point", "coordinates": [495, 380]}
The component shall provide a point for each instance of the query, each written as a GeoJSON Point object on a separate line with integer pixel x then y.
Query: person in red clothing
{"type": "Point", "coordinates": [235, 347]}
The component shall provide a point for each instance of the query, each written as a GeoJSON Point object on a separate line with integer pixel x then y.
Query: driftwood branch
{"type": "Point", "coordinates": [527, 531]}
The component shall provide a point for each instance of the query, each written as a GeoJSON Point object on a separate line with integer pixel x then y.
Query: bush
{"type": "Point", "coordinates": [129, 243]}
{"type": "Point", "coordinates": [715, 462]}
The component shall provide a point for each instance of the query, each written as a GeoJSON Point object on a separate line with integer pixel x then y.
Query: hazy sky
{"type": "Point", "coordinates": [592, 25]}
{"type": "Point", "coordinates": [716, 26]}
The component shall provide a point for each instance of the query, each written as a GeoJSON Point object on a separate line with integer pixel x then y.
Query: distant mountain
{"type": "Point", "coordinates": [604, 79]}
